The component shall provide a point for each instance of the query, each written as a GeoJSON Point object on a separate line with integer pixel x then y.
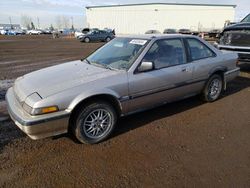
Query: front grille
{"type": "Point", "coordinates": [236, 38]}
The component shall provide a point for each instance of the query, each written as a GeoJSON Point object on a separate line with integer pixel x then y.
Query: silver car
{"type": "Point", "coordinates": [127, 75]}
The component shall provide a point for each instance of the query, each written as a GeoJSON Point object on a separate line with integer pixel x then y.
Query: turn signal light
{"type": "Point", "coordinates": [49, 109]}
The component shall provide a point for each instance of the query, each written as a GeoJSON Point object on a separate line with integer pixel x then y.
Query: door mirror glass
{"type": "Point", "coordinates": [145, 66]}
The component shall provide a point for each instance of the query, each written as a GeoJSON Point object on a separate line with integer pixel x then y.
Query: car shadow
{"type": "Point", "coordinates": [8, 133]}
{"type": "Point", "coordinates": [245, 67]}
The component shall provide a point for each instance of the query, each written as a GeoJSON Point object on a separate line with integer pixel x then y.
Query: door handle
{"type": "Point", "coordinates": [186, 69]}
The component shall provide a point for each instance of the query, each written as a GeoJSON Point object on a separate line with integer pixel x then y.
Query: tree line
{"type": "Point", "coordinates": [60, 21]}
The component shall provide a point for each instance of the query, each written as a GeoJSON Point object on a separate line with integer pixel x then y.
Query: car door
{"type": "Point", "coordinates": [168, 80]}
{"type": "Point", "coordinates": [203, 59]}
{"type": "Point", "coordinates": [95, 36]}
{"type": "Point", "coordinates": [102, 35]}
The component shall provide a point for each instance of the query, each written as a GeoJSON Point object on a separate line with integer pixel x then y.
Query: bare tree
{"type": "Point", "coordinates": [25, 21]}
{"type": "Point", "coordinates": [62, 22]}
{"type": "Point", "coordinates": [59, 22]}
{"type": "Point", "coordinates": [66, 22]}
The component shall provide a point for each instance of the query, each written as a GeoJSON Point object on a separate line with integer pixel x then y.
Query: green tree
{"type": "Point", "coordinates": [72, 28]}
{"type": "Point", "coordinates": [51, 27]}
{"type": "Point", "coordinates": [32, 25]}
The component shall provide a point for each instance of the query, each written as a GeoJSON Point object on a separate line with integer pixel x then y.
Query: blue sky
{"type": "Point", "coordinates": [48, 10]}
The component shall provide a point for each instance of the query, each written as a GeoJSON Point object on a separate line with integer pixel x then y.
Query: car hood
{"type": "Point", "coordinates": [238, 26]}
{"type": "Point", "coordinates": [57, 78]}
{"type": "Point", "coordinates": [236, 35]}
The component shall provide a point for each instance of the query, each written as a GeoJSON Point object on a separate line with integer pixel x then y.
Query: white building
{"type": "Point", "coordinates": [138, 18]}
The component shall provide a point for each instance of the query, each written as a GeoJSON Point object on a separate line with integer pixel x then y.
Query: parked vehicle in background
{"type": "Point", "coordinates": [215, 33]}
{"type": "Point", "coordinates": [46, 32]}
{"type": "Point", "coordinates": [152, 32]}
{"type": "Point", "coordinates": [34, 32]}
{"type": "Point", "coordinates": [236, 38]}
{"type": "Point", "coordinates": [169, 31]}
{"type": "Point", "coordinates": [80, 34]}
{"type": "Point", "coordinates": [96, 35]}
{"type": "Point", "coordinates": [3, 31]}
{"type": "Point", "coordinates": [20, 32]}
{"type": "Point", "coordinates": [66, 31]}
{"type": "Point", "coordinates": [127, 75]}
{"type": "Point", "coordinates": [12, 32]}
{"type": "Point", "coordinates": [77, 34]}
{"type": "Point", "coordinates": [185, 31]}
{"type": "Point", "coordinates": [85, 30]}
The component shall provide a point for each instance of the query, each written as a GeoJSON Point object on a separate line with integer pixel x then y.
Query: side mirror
{"type": "Point", "coordinates": [145, 66]}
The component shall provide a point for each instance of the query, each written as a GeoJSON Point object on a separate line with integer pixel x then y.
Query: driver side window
{"type": "Point", "coordinates": [166, 53]}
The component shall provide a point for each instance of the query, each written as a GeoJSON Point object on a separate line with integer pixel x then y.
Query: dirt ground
{"type": "Point", "coordinates": [183, 144]}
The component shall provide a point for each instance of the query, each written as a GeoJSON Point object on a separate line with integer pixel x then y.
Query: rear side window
{"type": "Point", "coordinates": [166, 53]}
{"type": "Point", "coordinates": [198, 50]}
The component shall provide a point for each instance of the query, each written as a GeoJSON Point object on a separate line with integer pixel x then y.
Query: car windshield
{"type": "Point", "coordinates": [118, 53]}
{"type": "Point", "coordinates": [246, 19]}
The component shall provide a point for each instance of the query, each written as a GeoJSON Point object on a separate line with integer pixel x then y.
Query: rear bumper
{"type": "Point", "coordinates": [243, 51]}
{"type": "Point", "coordinates": [36, 127]}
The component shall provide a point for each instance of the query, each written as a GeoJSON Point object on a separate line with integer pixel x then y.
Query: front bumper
{"type": "Point", "coordinates": [243, 51]}
{"type": "Point", "coordinates": [40, 126]}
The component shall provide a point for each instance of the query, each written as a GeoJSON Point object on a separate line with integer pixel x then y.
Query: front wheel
{"type": "Point", "coordinates": [86, 40]}
{"type": "Point", "coordinates": [95, 122]}
{"type": "Point", "coordinates": [213, 88]}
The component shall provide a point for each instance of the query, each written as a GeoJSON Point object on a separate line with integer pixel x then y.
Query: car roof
{"type": "Point", "coordinates": [156, 36]}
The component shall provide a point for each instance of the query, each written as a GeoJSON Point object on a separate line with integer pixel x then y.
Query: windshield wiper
{"type": "Point", "coordinates": [109, 67]}
{"type": "Point", "coordinates": [103, 65]}
{"type": "Point", "coordinates": [86, 60]}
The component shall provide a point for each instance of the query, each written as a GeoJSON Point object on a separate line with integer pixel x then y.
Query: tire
{"type": "Point", "coordinates": [94, 122]}
{"type": "Point", "coordinates": [108, 39]}
{"type": "Point", "coordinates": [87, 40]}
{"type": "Point", "coordinates": [213, 88]}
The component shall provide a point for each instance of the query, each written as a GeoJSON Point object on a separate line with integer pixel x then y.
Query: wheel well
{"type": "Point", "coordinates": [103, 97]}
{"type": "Point", "coordinates": [219, 72]}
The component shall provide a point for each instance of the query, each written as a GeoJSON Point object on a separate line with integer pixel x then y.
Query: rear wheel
{"type": "Point", "coordinates": [108, 39]}
{"type": "Point", "coordinates": [213, 88]}
{"type": "Point", "coordinates": [95, 122]}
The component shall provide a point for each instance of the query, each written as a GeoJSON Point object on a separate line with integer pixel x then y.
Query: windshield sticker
{"type": "Point", "coordinates": [138, 42]}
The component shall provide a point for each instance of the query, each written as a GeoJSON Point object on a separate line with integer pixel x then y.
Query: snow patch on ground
{"type": "Point", "coordinates": [4, 86]}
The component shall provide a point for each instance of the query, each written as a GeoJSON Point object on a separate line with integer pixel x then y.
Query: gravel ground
{"type": "Point", "coordinates": [183, 144]}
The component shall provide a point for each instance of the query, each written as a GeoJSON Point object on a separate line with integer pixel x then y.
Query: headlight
{"type": "Point", "coordinates": [39, 111]}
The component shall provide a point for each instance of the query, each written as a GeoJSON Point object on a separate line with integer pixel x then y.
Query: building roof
{"type": "Point", "coordinates": [187, 4]}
